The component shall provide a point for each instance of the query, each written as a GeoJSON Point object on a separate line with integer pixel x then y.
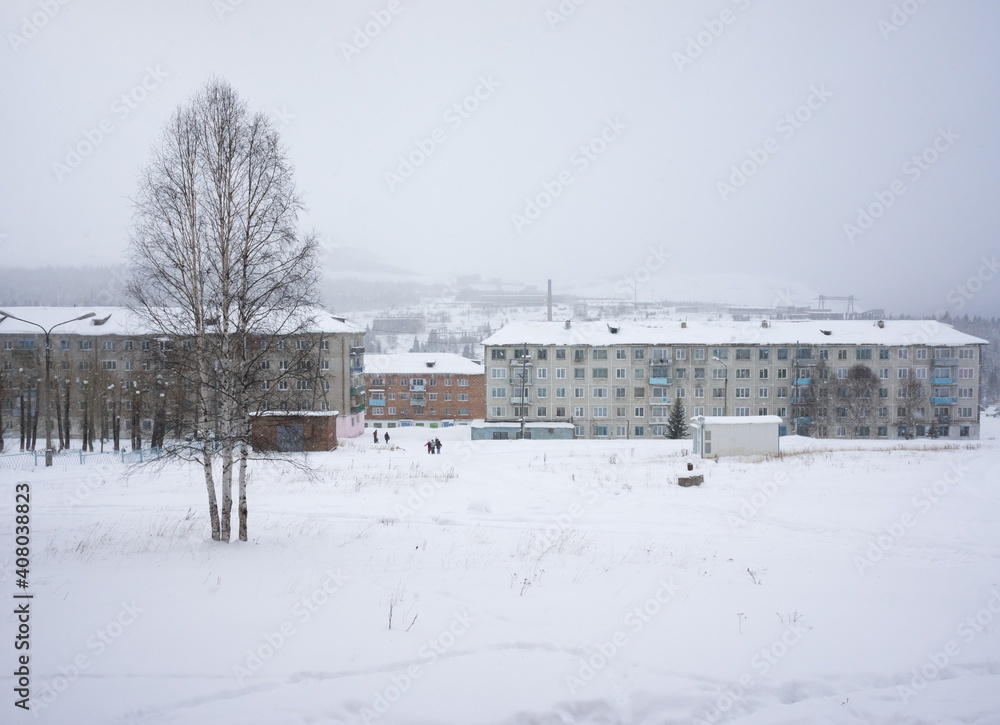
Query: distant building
{"type": "Point", "coordinates": [113, 370]}
{"type": "Point", "coordinates": [418, 388]}
{"type": "Point", "coordinates": [615, 380]}
{"type": "Point", "coordinates": [483, 431]}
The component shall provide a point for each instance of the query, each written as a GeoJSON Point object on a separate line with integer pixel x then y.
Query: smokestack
{"type": "Point", "coordinates": [549, 301]}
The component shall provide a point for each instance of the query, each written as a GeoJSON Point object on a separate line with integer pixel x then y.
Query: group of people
{"type": "Point", "coordinates": [433, 446]}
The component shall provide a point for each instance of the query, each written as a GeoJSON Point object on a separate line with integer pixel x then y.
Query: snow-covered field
{"type": "Point", "coordinates": [525, 582]}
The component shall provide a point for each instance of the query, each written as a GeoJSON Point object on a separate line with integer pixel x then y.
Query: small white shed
{"type": "Point", "coordinates": [734, 435]}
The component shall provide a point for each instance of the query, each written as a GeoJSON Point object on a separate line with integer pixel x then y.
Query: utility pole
{"type": "Point", "coordinates": [725, 399]}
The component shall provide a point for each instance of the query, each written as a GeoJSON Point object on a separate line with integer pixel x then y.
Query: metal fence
{"type": "Point", "coordinates": [30, 459]}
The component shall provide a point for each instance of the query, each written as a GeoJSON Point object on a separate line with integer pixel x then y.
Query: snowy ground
{"type": "Point", "coordinates": [527, 582]}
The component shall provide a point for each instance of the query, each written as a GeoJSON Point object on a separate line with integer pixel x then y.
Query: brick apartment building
{"type": "Point", "coordinates": [423, 388]}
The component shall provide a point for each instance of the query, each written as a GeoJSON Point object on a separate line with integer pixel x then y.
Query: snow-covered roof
{"type": "Point", "coordinates": [703, 420]}
{"type": "Point", "coordinates": [122, 321]}
{"type": "Point", "coordinates": [421, 363]}
{"type": "Point", "coordinates": [720, 332]}
{"type": "Point", "coordinates": [298, 413]}
{"type": "Point", "coordinates": [535, 424]}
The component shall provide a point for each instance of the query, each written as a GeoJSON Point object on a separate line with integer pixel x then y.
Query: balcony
{"type": "Point", "coordinates": [945, 361]}
{"type": "Point", "coordinates": [417, 388]}
{"type": "Point", "coordinates": [659, 381]}
{"type": "Point", "coordinates": [357, 369]}
{"type": "Point", "coordinates": [357, 408]}
{"type": "Point", "coordinates": [804, 420]}
{"type": "Point", "coordinates": [358, 350]}
{"type": "Point", "coordinates": [803, 381]}
{"type": "Point", "coordinates": [942, 381]}
{"type": "Point", "coordinates": [526, 362]}
{"type": "Point", "coordinates": [659, 420]}
{"type": "Point", "coordinates": [357, 390]}
{"type": "Point", "coordinates": [377, 402]}
{"type": "Point", "coordinates": [517, 400]}
{"type": "Point", "coordinates": [943, 401]}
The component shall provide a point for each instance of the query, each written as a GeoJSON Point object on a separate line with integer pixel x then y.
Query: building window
{"type": "Point", "coordinates": [699, 392]}
{"type": "Point", "coordinates": [542, 373]}
{"type": "Point", "coordinates": [742, 353]}
{"type": "Point", "coordinates": [743, 411]}
{"type": "Point", "coordinates": [782, 353]}
{"type": "Point", "coordinates": [495, 374]}
{"type": "Point", "coordinates": [541, 412]}
{"type": "Point", "coordinates": [600, 431]}
{"type": "Point", "coordinates": [578, 412]}
{"type": "Point", "coordinates": [463, 382]}
{"type": "Point", "coordinates": [762, 392]}
{"type": "Point", "coordinates": [109, 365]}
{"type": "Point", "coordinates": [600, 411]}
{"type": "Point", "coordinates": [463, 411]}
{"type": "Point", "coordinates": [639, 431]}
{"type": "Point", "coordinates": [579, 392]}
{"type": "Point", "coordinates": [560, 373]}
{"type": "Point", "coordinates": [965, 373]}
{"type": "Point", "coordinates": [742, 392]}
{"type": "Point", "coordinates": [963, 431]}
{"type": "Point", "coordinates": [966, 353]}
{"type": "Point", "coordinates": [540, 392]}
{"type": "Point", "coordinates": [303, 385]}
{"type": "Point", "coordinates": [742, 373]}
{"type": "Point", "coordinates": [282, 385]}
{"type": "Point", "coordinates": [498, 411]}
{"type": "Point", "coordinates": [600, 354]}
{"type": "Point", "coordinates": [128, 366]}
{"type": "Point", "coordinates": [783, 412]}
{"type": "Point", "coordinates": [762, 373]}
{"type": "Point", "coordinates": [498, 354]}
{"type": "Point", "coordinates": [718, 392]}
{"type": "Point", "coordinates": [85, 344]}
{"type": "Point", "coordinates": [600, 392]}
{"type": "Point", "coordinates": [560, 392]}
{"type": "Point", "coordinates": [761, 411]}
{"type": "Point", "coordinates": [721, 353]}
{"type": "Point", "coordinates": [638, 392]}
{"type": "Point", "coordinates": [699, 353]}
{"type": "Point", "coordinates": [325, 384]}
{"type": "Point", "coordinates": [965, 412]}
{"type": "Point", "coordinates": [324, 364]}
{"type": "Point", "coordinates": [600, 373]}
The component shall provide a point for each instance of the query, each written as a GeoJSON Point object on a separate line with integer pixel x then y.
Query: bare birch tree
{"type": "Point", "coordinates": [217, 263]}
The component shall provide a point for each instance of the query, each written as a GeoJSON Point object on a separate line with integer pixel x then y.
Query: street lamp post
{"type": "Point", "coordinates": [47, 401]}
{"type": "Point", "coordinates": [725, 387]}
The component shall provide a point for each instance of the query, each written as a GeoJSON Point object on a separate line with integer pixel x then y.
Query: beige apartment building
{"type": "Point", "coordinates": [611, 380]}
{"type": "Point", "coordinates": [109, 369]}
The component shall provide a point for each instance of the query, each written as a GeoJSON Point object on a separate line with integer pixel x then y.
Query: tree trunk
{"type": "Point", "coordinates": [227, 488]}
{"type": "Point", "coordinates": [213, 504]}
{"type": "Point", "coordinates": [59, 422]}
{"type": "Point", "coordinates": [243, 490]}
{"type": "Point", "coordinates": [24, 427]}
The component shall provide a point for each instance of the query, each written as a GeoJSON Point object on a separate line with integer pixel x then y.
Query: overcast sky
{"type": "Point", "coordinates": [589, 141]}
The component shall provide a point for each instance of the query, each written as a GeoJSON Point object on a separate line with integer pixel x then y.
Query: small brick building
{"type": "Point", "coordinates": [419, 388]}
{"type": "Point", "coordinates": [290, 431]}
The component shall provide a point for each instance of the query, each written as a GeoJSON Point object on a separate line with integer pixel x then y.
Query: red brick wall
{"type": "Point", "coordinates": [437, 383]}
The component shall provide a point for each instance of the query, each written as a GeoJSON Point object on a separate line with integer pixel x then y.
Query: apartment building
{"type": "Point", "coordinates": [111, 370]}
{"type": "Point", "coordinates": [423, 389]}
{"type": "Point", "coordinates": [838, 379]}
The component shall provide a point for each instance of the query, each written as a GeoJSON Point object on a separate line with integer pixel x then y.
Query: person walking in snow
{"type": "Point", "coordinates": [437, 444]}
{"type": "Point", "coordinates": [430, 446]}
{"type": "Point", "coordinates": [375, 435]}
{"type": "Point", "coordinates": [387, 437]}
